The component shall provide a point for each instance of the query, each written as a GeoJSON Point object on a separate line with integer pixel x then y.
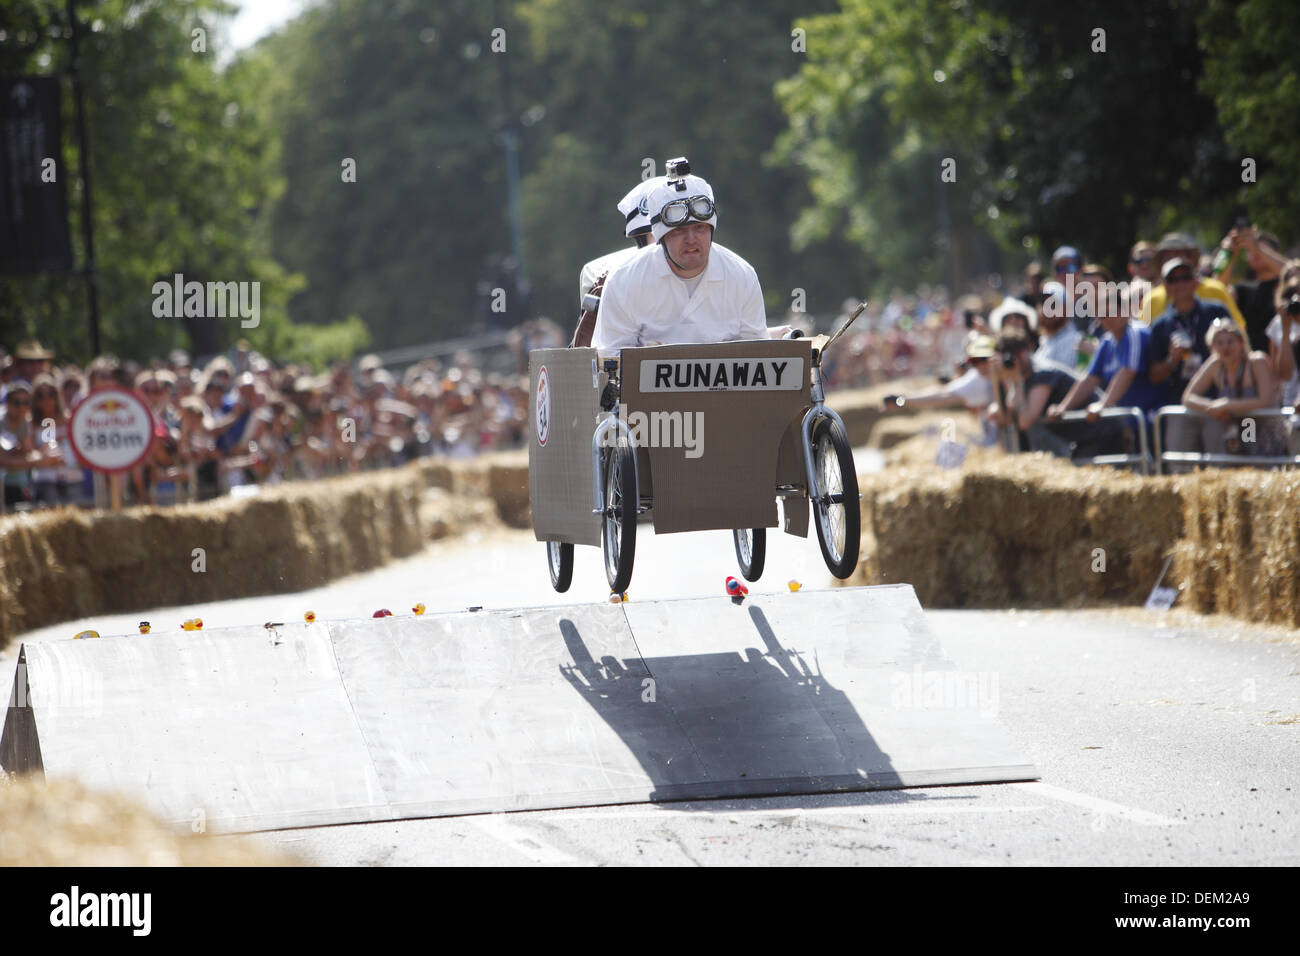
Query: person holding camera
{"type": "Point", "coordinates": [1243, 381]}
{"type": "Point", "coordinates": [1284, 341]}
{"type": "Point", "coordinates": [1033, 384]}
{"type": "Point", "coordinates": [1255, 297]}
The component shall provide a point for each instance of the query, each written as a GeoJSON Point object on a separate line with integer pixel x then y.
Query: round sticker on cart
{"type": "Point", "coordinates": [543, 406]}
{"type": "Point", "coordinates": [111, 430]}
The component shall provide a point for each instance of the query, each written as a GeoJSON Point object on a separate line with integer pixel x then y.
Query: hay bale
{"type": "Point", "coordinates": [507, 486]}
{"type": "Point", "coordinates": [62, 823]}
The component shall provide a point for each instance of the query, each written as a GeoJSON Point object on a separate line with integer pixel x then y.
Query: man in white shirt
{"type": "Point", "coordinates": [636, 226]}
{"type": "Point", "coordinates": [686, 288]}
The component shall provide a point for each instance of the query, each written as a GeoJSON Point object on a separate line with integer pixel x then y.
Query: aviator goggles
{"type": "Point", "coordinates": [679, 211]}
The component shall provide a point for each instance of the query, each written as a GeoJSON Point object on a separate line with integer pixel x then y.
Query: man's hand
{"type": "Point", "coordinates": [1095, 410]}
{"type": "Point", "coordinates": [1054, 413]}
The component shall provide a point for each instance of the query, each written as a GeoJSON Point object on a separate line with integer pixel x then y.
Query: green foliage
{"type": "Point", "coordinates": [1250, 71]}
{"type": "Point", "coordinates": [179, 174]}
{"type": "Point", "coordinates": [408, 94]}
{"type": "Point", "coordinates": [1053, 141]}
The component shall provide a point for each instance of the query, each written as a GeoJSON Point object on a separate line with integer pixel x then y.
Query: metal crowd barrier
{"type": "Point", "coordinates": [1143, 456]}
{"type": "Point", "coordinates": [1218, 458]}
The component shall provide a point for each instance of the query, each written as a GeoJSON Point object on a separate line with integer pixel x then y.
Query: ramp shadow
{"type": "Point", "coordinates": [757, 721]}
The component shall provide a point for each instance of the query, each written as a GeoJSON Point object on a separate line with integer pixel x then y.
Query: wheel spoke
{"type": "Point", "coordinates": [832, 495]}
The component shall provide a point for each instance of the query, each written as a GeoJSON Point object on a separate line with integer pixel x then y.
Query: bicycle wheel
{"type": "Point", "coordinates": [751, 551]}
{"type": "Point", "coordinates": [618, 531]}
{"type": "Point", "coordinates": [835, 499]}
{"type": "Point", "coordinates": [559, 560]}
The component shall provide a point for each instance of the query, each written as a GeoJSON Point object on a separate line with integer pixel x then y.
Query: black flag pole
{"type": "Point", "coordinates": [83, 156]}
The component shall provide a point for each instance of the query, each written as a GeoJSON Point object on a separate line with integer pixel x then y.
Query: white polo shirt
{"type": "Point", "coordinates": [594, 269]}
{"type": "Point", "coordinates": [645, 303]}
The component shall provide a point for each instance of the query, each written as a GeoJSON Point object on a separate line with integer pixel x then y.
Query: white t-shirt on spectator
{"type": "Point", "coordinates": [972, 388]}
{"type": "Point", "coordinates": [1291, 387]}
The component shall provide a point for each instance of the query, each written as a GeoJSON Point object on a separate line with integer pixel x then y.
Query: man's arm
{"type": "Point", "coordinates": [753, 316]}
{"type": "Point", "coordinates": [1218, 292]}
{"type": "Point", "coordinates": [1032, 408]}
{"type": "Point", "coordinates": [1078, 394]}
{"type": "Point", "coordinates": [1119, 384]}
{"type": "Point", "coordinates": [615, 325]}
{"type": "Point", "coordinates": [1281, 355]}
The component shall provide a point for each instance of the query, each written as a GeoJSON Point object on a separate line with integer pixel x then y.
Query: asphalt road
{"type": "Point", "coordinates": [1162, 739]}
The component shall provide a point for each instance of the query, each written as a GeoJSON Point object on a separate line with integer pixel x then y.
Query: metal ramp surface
{"type": "Point", "coordinates": [470, 712]}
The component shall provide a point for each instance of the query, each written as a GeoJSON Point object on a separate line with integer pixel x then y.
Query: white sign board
{"type": "Point", "coordinates": [111, 430]}
{"type": "Point", "coordinates": [722, 375]}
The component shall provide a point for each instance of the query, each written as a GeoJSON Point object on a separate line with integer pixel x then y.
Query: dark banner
{"type": "Point", "coordinates": [33, 199]}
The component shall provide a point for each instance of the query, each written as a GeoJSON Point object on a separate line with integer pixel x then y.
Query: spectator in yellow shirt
{"type": "Point", "coordinates": [1177, 245]}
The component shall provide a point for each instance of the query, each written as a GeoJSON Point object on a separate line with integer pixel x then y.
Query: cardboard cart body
{"type": "Point", "coordinates": [699, 437]}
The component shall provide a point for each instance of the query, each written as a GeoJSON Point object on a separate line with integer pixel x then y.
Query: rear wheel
{"type": "Point", "coordinates": [559, 559]}
{"type": "Point", "coordinates": [618, 530]}
{"type": "Point", "coordinates": [751, 551]}
{"type": "Point", "coordinates": [835, 499]}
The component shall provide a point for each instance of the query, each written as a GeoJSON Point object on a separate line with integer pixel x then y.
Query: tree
{"type": "Point", "coordinates": [1250, 71]}
{"type": "Point", "coordinates": [1056, 137]}
{"type": "Point", "coordinates": [179, 172]}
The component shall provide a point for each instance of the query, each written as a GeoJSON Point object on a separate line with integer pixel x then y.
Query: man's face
{"type": "Point", "coordinates": [1182, 288]}
{"type": "Point", "coordinates": [18, 405]}
{"type": "Point", "coordinates": [1064, 266]}
{"type": "Point", "coordinates": [689, 248]}
{"type": "Point", "coordinates": [1145, 265]}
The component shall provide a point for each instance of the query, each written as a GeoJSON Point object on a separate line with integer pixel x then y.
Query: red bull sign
{"type": "Point", "coordinates": [111, 430]}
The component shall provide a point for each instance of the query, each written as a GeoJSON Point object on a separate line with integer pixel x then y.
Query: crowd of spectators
{"type": "Point", "coordinates": [1177, 331]}
{"type": "Point", "coordinates": [238, 420]}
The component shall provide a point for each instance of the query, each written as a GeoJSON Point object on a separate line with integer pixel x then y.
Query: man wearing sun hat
{"type": "Point", "coordinates": [31, 359]}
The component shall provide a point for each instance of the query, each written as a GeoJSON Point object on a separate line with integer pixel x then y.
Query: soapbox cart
{"type": "Point", "coordinates": [696, 438]}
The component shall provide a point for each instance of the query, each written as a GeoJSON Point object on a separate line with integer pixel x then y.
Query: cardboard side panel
{"type": "Point", "coordinates": [559, 471]}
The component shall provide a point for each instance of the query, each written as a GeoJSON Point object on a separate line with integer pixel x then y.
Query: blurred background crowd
{"type": "Point", "coordinates": [237, 420]}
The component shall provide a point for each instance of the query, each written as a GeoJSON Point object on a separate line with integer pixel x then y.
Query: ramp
{"type": "Point", "coordinates": [356, 721]}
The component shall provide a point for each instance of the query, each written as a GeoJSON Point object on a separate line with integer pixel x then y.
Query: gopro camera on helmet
{"type": "Point", "coordinates": [674, 168]}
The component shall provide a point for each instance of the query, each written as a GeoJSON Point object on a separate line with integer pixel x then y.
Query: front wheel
{"type": "Point", "coordinates": [835, 499]}
{"type": "Point", "coordinates": [751, 551]}
{"type": "Point", "coordinates": [559, 559]}
{"type": "Point", "coordinates": [618, 528]}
